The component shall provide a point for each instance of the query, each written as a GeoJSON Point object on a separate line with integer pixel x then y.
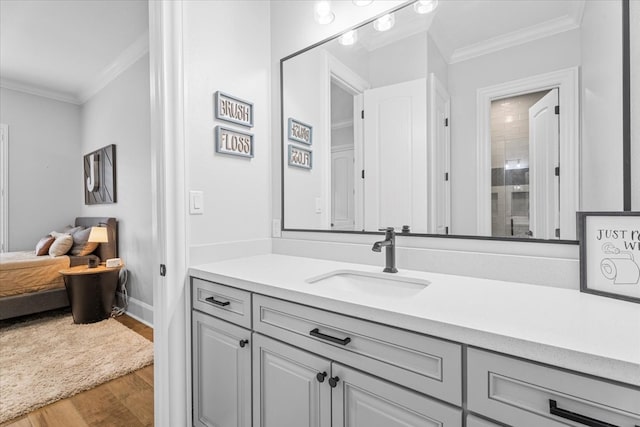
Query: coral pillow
{"type": "Point", "coordinates": [42, 248]}
{"type": "Point", "coordinates": [61, 244]}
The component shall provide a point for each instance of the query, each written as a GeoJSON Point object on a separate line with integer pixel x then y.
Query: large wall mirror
{"type": "Point", "coordinates": [482, 118]}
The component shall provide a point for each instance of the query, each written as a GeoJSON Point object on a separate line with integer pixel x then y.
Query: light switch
{"type": "Point", "coordinates": [196, 202]}
{"type": "Point", "coordinates": [276, 231]}
{"type": "Point", "coordinates": [318, 205]}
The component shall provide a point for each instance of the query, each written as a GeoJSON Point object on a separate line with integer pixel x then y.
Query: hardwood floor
{"type": "Point", "coordinates": [124, 402]}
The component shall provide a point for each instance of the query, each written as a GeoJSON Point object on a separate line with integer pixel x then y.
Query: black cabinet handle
{"type": "Point", "coordinates": [214, 301]}
{"type": "Point", "coordinates": [316, 333]}
{"type": "Point", "coordinates": [243, 343]}
{"type": "Point", "coordinates": [333, 382]}
{"type": "Point", "coordinates": [573, 416]}
{"type": "Point", "coordinates": [321, 376]}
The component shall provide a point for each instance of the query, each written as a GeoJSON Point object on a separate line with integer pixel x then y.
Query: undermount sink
{"type": "Point", "coordinates": [380, 284]}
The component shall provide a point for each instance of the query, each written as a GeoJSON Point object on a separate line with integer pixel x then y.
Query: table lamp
{"type": "Point", "coordinates": [97, 235]}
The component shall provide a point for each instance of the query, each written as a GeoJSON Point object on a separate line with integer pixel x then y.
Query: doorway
{"type": "Point", "coordinates": [4, 188]}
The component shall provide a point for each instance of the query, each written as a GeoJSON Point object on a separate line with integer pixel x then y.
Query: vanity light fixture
{"type": "Point", "coordinates": [425, 6]}
{"type": "Point", "coordinates": [384, 23]}
{"type": "Point", "coordinates": [362, 2]}
{"type": "Point", "coordinates": [322, 13]}
{"type": "Point", "coordinates": [348, 38]}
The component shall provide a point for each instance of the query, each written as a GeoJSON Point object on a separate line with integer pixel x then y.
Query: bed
{"type": "Point", "coordinates": [32, 284]}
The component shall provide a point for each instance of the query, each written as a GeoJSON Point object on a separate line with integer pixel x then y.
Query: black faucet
{"type": "Point", "coordinates": [390, 253]}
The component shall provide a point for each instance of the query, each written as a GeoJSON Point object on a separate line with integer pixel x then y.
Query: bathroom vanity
{"type": "Point", "coordinates": [289, 341]}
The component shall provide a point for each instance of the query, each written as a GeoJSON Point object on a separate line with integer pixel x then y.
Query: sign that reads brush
{"type": "Point", "coordinates": [610, 254]}
{"type": "Point", "coordinates": [300, 132]}
{"type": "Point", "coordinates": [229, 141]}
{"type": "Point", "coordinates": [233, 110]}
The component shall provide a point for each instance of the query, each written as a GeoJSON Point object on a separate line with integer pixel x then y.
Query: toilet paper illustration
{"type": "Point", "coordinates": [619, 266]}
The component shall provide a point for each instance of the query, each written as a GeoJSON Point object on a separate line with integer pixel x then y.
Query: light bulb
{"type": "Point", "coordinates": [348, 38]}
{"type": "Point", "coordinates": [384, 23]}
{"type": "Point", "coordinates": [425, 6]}
{"type": "Point", "coordinates": [322, 13]}
{"type": "Point", "coordinates": [362, 2]}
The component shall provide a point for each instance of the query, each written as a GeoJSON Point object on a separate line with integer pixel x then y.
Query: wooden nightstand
{"type": "Point", "coordinates": [91, 291]}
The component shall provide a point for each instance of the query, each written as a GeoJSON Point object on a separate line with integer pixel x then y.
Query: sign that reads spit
{"type": "Point", "coordinates": [229, 141]}
{"type": "Point", "coordinates": [233, 110]}
{"type": "Point", "coordinates": [300, 158]}
{"type": "Point", "coordinates": [300, 132]}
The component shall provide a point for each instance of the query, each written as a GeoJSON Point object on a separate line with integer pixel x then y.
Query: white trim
{"type": "Point", "coordinates": [169, 223]}
{"type": "Point", "coordinates": [515, 38]}
{"type": "Point", "coordinates": [341, 125]}
{"type": "Point", "coordinates": [567, 81]}
{"type": "Point", "coordinates": [437, 88]}
{"type": "Point", "coordinates": [126, 59]}
{"type": "Point", "coordinates": [139, 310]}
{"type": "Point", "coordinates": [37, 91]}
{"type": "Point", "coordinates": [4, 188]}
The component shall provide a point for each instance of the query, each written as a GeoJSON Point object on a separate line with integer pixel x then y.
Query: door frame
{"type": "Point", "coordinates": [4, 188]}
{"type": "Point", "coordinates": [436, 88]}
{"type": "Point", "coordinates": [567, 82]}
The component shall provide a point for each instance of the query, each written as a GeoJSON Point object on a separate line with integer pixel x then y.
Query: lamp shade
{"type": "Point", "coordinates": [98, 235]}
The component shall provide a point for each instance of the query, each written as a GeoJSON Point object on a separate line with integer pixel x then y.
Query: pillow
{"type": "Point", "coordinates": [70, 229]}
{"type": "Point", "coordinates": [42, 248]}
{"type": "Point", "coordinates": [81, 246]}
{"type": "Point", "coordinates": [61, 244]}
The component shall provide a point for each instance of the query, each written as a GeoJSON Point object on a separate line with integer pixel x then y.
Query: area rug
{"type": "Point", "coordinates": [51, 358]}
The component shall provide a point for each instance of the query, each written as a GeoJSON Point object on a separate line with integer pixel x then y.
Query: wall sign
{"type": "Point", "coordinates": [100, 176]}
{"type": "Point", "coordinates": [300, 132]}
{"type": "Point", "coordinates": [610, 254]}
{"type": "Point", "coordinates": [300, 158]}
{"type": "Point", "coordinates": [232, 109]}
{"type": "Point", "coordinates": [230, 141]}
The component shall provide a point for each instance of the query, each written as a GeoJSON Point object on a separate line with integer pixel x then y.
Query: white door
{"type": "Point", "coordinates": [4, 188]}
{"type": "Point", "coordinates": [395, 156]}
{"type": "Point", "coordinates": [221, 373]}
{"type": "Point", "coordinates": [439, 155]}
{"type": "Point", "coordinates": [544, 158]}
{"type": "Point", "coordinates": [342, 190]}
{"type": "Point", "coordinates": [290, 388]}
{"type": "Point", "coordinates": [360, 400]}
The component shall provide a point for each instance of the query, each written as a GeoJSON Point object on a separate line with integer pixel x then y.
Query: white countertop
{"type": "Point", "coordinates": [566, 328]}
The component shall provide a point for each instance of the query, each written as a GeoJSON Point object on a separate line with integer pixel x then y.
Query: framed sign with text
{"type": "Point", "coordinates": [610, 254]}
{"type": "Point", "coordinates": [230, 141]}
{"type": "Point", "coordinates": [300, 158]}
{"type": "Point", "coordinates": [299, 132]}
{"type": "Point", "coordinates": [233, 110]}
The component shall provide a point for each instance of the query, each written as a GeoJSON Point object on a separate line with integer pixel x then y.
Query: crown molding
{"type": "Point", "coordinates": [515, 38]}
{"type": "Point", "coordinates": [38, 91]}
{"type": "Point", "coordinates": [126, 59]}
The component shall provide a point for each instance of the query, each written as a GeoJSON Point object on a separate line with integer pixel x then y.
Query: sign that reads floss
{"type": "Point", "coordinates": [234, 110]}
{"type": "Point", "coordinates": [229, 141]}
{"type": "Point", "coordinates": [300, 158]}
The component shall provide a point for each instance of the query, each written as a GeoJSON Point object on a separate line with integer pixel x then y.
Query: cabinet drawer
{"type": "Point", "coordinates": [525, 394]}
{"type": "Point", "coordinates": [424, 364]}
{"type": "Point", "coordinates": [230, 304]}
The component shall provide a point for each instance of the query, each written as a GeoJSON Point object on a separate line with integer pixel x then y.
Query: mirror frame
{"type": "Point", "coordinates": [626, 139]}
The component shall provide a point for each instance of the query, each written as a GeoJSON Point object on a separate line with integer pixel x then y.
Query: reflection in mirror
{"type": "Point", "coordinates": [449, 122]}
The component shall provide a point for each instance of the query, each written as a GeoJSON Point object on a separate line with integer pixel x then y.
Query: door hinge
{"type": "Point", "coordinates": [446, 122]}
{"type": "Point", "coordinates": [362, 174]}
{"type": "Point", "coordinates": [446, 176]}
{"type": "Point", "coordinates": [362, 114]}
{"type": "Point", "coordinates": [557, 172]}
{"type": "Point", "coordinates": [558, 233]}
{"type": "Point", "coordinates": [557, 109]}
{"type": "Point", "coordinates": [163, 270]}
{"type": "Point", "coordinates": [446, 230]}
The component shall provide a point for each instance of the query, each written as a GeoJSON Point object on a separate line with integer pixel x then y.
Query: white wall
{"type": "Point", "coordinates": [601, 96]}
{"type": "Point", "coordinates": [120, 114]}
{"type": "Point", "coordinates": [465, 78]}
{"type": "Point", "coordinates": [635, 104]}
{"type": "Point", "coordinates": [226, 48]}
{"type": "Point", "coordinates": [45, 166]}
{"type": "Point", "coordinates": [398, 62]}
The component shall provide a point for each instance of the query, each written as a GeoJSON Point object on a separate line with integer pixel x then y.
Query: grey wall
{"type": "Point", "coordinates": [45, 169]}
{"type": "Point", "coordinates": [120, 114]}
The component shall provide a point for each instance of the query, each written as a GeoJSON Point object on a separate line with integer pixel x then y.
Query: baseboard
{"type": "Point", "coordinates": [141, 311]}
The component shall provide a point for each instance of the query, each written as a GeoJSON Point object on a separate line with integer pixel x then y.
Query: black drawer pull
{"type": "Point", "coordinates": [220, 303]}
{"type": "Point", "coordinates": [333, 382]}
{"type": "Point", "coordinates": [243, 343]}
{"type": "Point", "coordinates": [320, 376]}
{"type": "Point", "coordinates": [579, 418]}
{"type": "Point", "coordinates": [316, 333]}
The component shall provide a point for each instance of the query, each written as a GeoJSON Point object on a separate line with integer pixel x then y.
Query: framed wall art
{"type": "Point", "coordinates": [300, 158]}
{"type": "Point", "coordinates": [100, 176]}
{"type": "Point", "coordinates": [233, 110]}
{"type": "Point", "coordinates": [299, 132]}
{"type": "Point", "coordinates": [610, 254]}
{"type": "Point", "coordinates": [230, 141]}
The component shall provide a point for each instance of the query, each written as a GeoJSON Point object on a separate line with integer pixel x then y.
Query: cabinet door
{"type": "Point", "coordinates": [287, 391]}
{"type": "Point", "coordinates": [361, 400]}
{"type": "Point", "coordinates": [221, 373]}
